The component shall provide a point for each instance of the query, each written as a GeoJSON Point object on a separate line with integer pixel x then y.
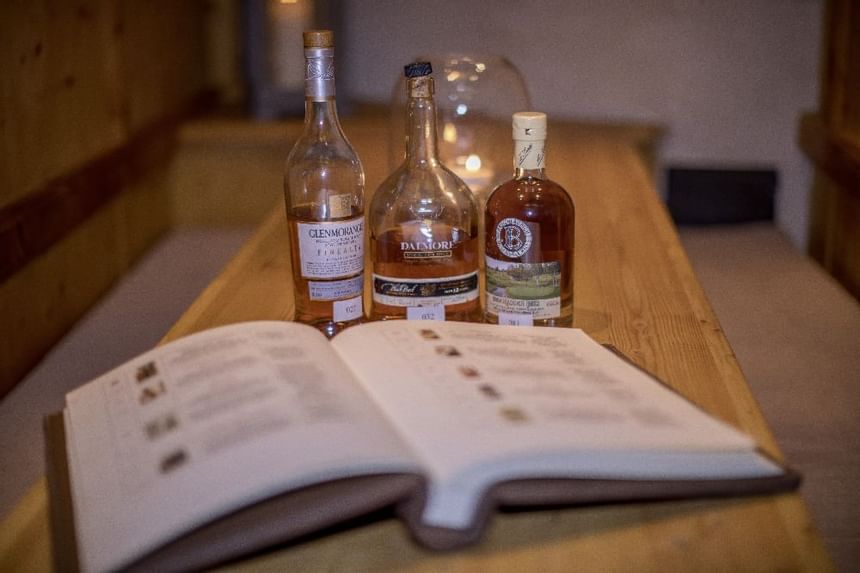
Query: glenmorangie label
{"type": "Point", "coordinates": [331, 250]}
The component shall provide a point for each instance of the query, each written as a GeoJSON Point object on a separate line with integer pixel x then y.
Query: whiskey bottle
{"type": "Point", "coordinates": [424, 226]}
{"type": "Point", "coordinates": [324, 194]}
{"type": "Point", "coordinates": [529, 239]}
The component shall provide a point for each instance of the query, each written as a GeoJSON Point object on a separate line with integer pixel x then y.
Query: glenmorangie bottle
{"type": "Point", "coordinates": [529, 238]}
{"type": "Point", "coordinates": [424, 226]}
{"type": "Point", "coordinates": [324, 193]}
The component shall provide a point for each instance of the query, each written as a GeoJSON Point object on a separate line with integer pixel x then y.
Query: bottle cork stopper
{"type": "Point", "coordinates": [529, 125]}
{"type": "Point", "coordinates": [318, 39]}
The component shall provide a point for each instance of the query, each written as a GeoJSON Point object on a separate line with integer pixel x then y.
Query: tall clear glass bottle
{"type": "Point", "coordinates": [529, 239]}
{"type": "Point", "coordinates": [424, 225]}
{"type": "Point", "coordinates": [324, 194]}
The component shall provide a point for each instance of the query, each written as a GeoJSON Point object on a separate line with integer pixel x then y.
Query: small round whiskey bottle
{"type": "Point", "coordinates": [423, 222]}
{"type": "Point", "coordinates": [324, 193]}
{"type": "Point", "coordinates": [529, 238]}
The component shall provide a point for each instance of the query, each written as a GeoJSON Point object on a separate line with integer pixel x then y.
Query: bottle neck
{"type": "Point", "coordinates": [320, 110]}
{"type": "Point", "coordinates": [421, 145]}
{"type": "Point", "coordinates": [319, 73]}
{"type": "Point", "coordinates": [529, 159]}
{"type": "Point", "coordinates": [321, 116]}
{"type": "Point", "coordinates": [520, 173]}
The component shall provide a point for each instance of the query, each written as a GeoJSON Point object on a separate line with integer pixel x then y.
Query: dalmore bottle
{"type": "Point", "coordinates": [424, 226]}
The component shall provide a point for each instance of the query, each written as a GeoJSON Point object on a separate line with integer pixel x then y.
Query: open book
{"type": "Point", "coordinates": [248, 435]}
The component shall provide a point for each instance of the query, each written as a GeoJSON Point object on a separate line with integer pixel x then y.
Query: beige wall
{"type": "Point", "coordinates": [729, 78]}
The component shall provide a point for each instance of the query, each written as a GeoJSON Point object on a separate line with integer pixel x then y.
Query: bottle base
{"type": "Point", "coordinates": [330, 328]}
{"type": "Point", "coordinates": [559, 321]}
{"type": "Point", "coordinates": [455, 316]}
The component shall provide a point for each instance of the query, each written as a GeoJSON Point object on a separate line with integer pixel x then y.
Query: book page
{"type": "Point", "coordinates": [480, 403]}
{"type": "Point", "coordinates": [211, 423]}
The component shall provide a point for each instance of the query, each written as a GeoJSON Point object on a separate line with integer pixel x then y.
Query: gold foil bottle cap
{"type": "Point", "coordinates": [318, 39]}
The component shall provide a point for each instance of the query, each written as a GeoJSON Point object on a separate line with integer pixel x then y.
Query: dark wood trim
{"type": "Point", "coordinates": [32, 225]}
{"type": "Point", "coordinates": [834, 154]}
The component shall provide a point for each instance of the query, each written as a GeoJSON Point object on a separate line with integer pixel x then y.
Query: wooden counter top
{"type": "Point", "coordinates": [634, 288]}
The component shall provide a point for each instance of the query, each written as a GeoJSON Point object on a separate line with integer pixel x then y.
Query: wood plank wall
{"type": "Point", "coordinates": [90, 89]}
{"type": "Point", "coordinates": [831, 139]}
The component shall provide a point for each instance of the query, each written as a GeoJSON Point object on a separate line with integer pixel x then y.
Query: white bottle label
{"type": "Point", "coordinates": [336, 289]}
{"type": "Point", "coordinates": [511, 319]}
{"type": "Point", "coordinates": [430, 312]}
{"type": "Point", "coordinates": [345, 310]}
{"type": "Point", "coordinates": [331, 249]}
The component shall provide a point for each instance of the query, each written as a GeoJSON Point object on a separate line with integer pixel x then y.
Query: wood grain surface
{"type": "Point", "coordinates": [634, 288]}
{"type": "Point", "coordinates": [831, 140]}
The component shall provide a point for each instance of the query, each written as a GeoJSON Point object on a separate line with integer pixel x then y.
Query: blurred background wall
{"type": "Point", "coordinates": [728, 79]}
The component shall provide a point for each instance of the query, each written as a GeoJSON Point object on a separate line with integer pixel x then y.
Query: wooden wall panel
{"type": "Point", "coordinates": [42, 301]}
{"type": "Point", "coordinates": [840, 84]}
{"type": "Point", "coordinates": [845, 264]}
{"type": "Point", "coordinates": [60, 94]}
{"type": "Point", "coordinates": [831, 139]}
{"type": "Point", "coordinates": [92, 94]}
{"type": "Point", "coordinates": [821, 217]}
{"type": "Point", "coordinates": [163, 61]}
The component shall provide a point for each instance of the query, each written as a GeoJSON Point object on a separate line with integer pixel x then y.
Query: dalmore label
{"type": "Point", "coordinates": [427, 249]}
{"type": "Point", "coordinates": [406, 292]}
{"type": "Point", "coordinates": [331, 249]}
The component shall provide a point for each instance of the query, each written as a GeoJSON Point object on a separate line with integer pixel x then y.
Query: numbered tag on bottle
{"type": "Point", "coordinates": [512, 319]}
{"type": "Point", "coordinates": [346, 310]}
{"type": "Point", "coordinates": [429, 312]}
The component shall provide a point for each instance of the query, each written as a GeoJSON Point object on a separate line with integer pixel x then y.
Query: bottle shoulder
{"type": "Point", "coordinates": [323, 135]}
{"type": "Point", "coordinates": [530, 191]}
{"type": "Point", "coordinates": [410, 194]}
{"type": "Point", "coordinates": [323, 149]}
{"type": "Point", "coordinates": [429, 184]}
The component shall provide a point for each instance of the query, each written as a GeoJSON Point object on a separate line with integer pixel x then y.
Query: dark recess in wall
{"type": "Point", "coordinates": [720, 196]}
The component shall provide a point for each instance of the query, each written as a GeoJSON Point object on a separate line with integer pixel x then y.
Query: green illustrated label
{"type": "Point", "coordinates": [532, 289]}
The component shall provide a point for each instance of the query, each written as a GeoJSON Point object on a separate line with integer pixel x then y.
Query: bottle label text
{"type": "Point", "coordinates": [406, 292]}
{"type": "Point", "coordinates": [331, 249]}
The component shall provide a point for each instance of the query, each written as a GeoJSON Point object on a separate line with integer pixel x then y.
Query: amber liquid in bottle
{"type": "Point", "coordinates": [312, 308]}
{"type": "Point", "coordinates": [529, 245]}
{"type": "Point", "coordinates": [457, 264]}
